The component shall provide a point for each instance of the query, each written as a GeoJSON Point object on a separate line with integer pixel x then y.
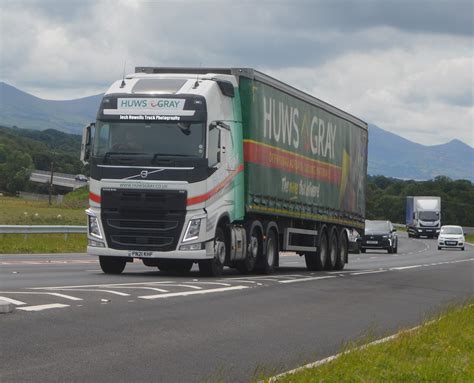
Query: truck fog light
{"type": "Point", "coordinates": [192, 232]}
{"type": "Point", "coordinates": [93, 243]}
{"type": "Point", "coordinates": [419, 230]}
{"type": "Point", "coordinates": [193, 246]}
{"type": "Point", "coordinates": [94, 228]}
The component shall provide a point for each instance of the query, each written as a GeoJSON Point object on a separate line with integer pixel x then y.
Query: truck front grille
{"type": "Point", "coordinates": [143, 220]}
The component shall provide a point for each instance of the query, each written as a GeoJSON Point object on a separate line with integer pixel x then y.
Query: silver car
{"type": "Point", "coordinates": [451, 236]}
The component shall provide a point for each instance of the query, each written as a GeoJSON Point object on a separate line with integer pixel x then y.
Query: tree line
{"type": "Point", "coordinates": [386, 198]}
{"type": "Point", "coordinates": [23, 150]}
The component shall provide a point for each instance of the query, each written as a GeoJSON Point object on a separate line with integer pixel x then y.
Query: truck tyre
{"type": "Point", "coordinates": [213, 267]}
{"type": "Point", "coordinates": [439, 247]}
{"type": "Point", "coordinates": [266, 265]}
{"type": "Point", "coordinates": [174, 265]}
{"type": "Point", "coordinates": [343, 251]}
{"type": "Point", "coordinates": [112, 265]}
{"type": "Point", "coordinates": [333, 251]}
{"type": "Point", "coordinates": [254, 248]}
{"type": "Point", "coordinates": [362, 250]}
{"type": "Point", "coordinates": [316, 261]}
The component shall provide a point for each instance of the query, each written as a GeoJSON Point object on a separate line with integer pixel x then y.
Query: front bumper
{"type": "Point", "coordinates": [376, 244]}
{"type": "Point", "coordinates": [448, 243]}
{"type": "Point", "coordinates": [207, 253]}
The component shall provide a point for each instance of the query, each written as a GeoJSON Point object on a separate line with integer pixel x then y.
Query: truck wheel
{"type": "Point", "coordinates": [342, 253]}
{"type": "Point", "coordinates": [267, 261]}
{"type": "Point", "coordinates": [316, 261]}
{"type": "Point", "coordinates": [112, 265]}
{"type": "Point", "coordinates": [213, 267]}
{"type": "Point", "coordinates": [362, 250]}
{"type": "Point", "coordinates": [331, 260]}
{"type": "Point", "coordinates": [174, 265]}
{"type": "Point", "coordinates": [248, 264]}
{"type": "Point", "coordinates": [439, 247]}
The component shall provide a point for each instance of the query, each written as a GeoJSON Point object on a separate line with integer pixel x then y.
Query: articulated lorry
{"type": "Point", "coordinates": [221, 167]}
{"type": "Point", "coordinates": [423, 216]}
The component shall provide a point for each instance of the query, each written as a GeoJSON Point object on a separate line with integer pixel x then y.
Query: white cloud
{"type": "Point", "coordinates": [410, 75]}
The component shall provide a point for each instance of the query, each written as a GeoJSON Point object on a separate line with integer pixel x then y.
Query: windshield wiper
{"type": "Point", "coordinates": [156, 155]}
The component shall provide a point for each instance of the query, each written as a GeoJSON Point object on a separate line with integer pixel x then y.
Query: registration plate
{"type": "Point", "coordinates": [139, 253]}
{"type": "Point", "coordinates": [450, 243]}
{"type": "Point", "coordinates": [372, 242]}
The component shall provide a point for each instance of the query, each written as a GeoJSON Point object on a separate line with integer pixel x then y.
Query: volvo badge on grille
{"type": "Point", "coordinates": [144, 174]}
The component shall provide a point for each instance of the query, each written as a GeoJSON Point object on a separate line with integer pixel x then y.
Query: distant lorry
{"type": "Point", "coordinates": [423, 216]}
{"type": "Point", "coordinates": [221, 167]}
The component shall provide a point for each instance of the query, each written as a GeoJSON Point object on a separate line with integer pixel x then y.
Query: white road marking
{"type": "Point", "coordinates": [43, 307]}
{"type": "Point", "coordinates": [186, 293]}
{"type": "Point", "coordinates": [65, 296]}
{"type": "Point", "coordinates": [307, 279]}
{"type": "Point", "coordinates": [369, 272]}
{"type": "Point", "coordinates": [13, 301]}
{"type": "Point", "coordinates": [405, 267]}
{"type": "Point", "coordinates": [103, 285]}
{"type": "Point", "coordinates": [213, 283]}
{"type": "Point", "coordinates": [102, 291]}
{"type": "Point", "coordinates": [144, 288]}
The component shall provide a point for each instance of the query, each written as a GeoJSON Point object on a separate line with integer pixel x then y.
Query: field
{"type": "Point", "coordinates": [15, 211]}
{"type": "Point", "coordinates": [442, 350]}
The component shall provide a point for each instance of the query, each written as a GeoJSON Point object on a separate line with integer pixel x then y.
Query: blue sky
{"type": "Point", "coordinates": [406, 66]}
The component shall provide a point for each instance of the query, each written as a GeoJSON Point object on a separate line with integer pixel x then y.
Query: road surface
{"type": "Point", "coordinates": [73, 323]}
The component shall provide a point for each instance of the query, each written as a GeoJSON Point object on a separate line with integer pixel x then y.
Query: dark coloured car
{"type": "Point", "coordinates": [379, 235]}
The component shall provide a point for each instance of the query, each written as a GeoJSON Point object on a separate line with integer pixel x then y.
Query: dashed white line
{"type": "Point", "coordinates": [186, 293]}
{"type": "Point", "coordinates": [43, 307]}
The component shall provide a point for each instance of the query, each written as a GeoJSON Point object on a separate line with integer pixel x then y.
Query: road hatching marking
{"type": "Point", "coordinates": [186, 293]}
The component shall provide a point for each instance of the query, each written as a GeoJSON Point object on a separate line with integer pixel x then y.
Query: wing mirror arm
{"type": "Point", "coordinates": [86, 142]}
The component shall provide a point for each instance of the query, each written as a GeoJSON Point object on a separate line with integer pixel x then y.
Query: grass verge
{"type": "Point", "coordinates": [16, 211]}
{"type": "Point", "coordinates": [42, 243]}
{"type": "Point", "coordinates": [439, 351]}
{"type": "Point", "coordinates": [469, 238]}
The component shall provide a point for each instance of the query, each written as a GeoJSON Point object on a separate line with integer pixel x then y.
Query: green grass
{"type": "Point", "coordinates": [439, 351]}
{"type": "Point", "coordinates": [42, 243]}
{"type": "Point", "coordinates": [16, 211]}
{"type": "Point", "coordinates": [469, 238]}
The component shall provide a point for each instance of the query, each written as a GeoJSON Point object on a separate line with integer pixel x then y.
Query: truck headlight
{"type": "Point", "coordinates": [94, 228]}
{"type": "Point", "coordinates": [192, 231]}
{"type": "Point", "coordinates": [419, 230]}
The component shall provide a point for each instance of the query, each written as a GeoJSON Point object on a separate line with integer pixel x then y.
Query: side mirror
{"type": "Point", "coordinates": [86, 143]}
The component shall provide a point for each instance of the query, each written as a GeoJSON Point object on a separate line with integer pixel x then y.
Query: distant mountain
{"type": "Point", "coordinates": [393, 156]}
{"type": "Point", "coordinates": [18, 108]}
{"type": "Point", "coordinates": [389, 154]}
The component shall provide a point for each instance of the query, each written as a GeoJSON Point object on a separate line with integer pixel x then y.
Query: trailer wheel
{"type": "Point", "coordinates": [316, 261]}
{"type": "Point", "coordinates": [343, 251]}
{"type": "Point", "coordinates": [267, 260]}
{"type": "Point", "coordinates": [213, 267]}
{"type": "Point", "coordinates": [333, 252]}
{"type": "Point", "coordinates": [112, 265]}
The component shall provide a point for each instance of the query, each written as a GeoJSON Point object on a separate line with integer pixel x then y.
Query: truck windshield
{"type": "Point", "coordinates": [153, 138]}
{"type": "Point", "coordinates": [429, 215]}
